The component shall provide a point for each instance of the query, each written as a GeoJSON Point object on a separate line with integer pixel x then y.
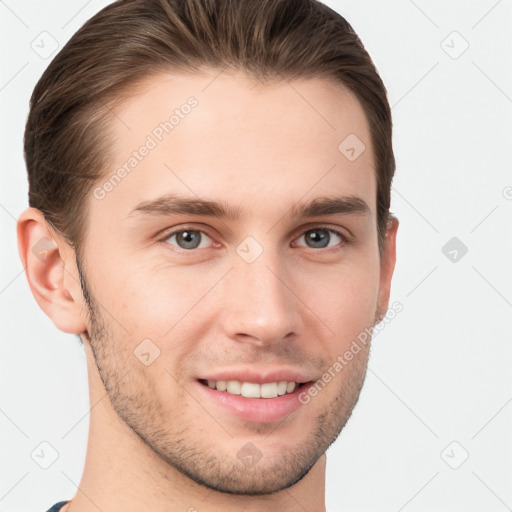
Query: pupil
{"type": "Point", "coordinates": [319, 238]}
{"type": "Point", "coordinates": [188, 239]}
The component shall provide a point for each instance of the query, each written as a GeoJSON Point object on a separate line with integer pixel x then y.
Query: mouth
{"type": "Point", "coordinates": [254, 389]}
{"type": "Point", "coordinates": [255, 402]}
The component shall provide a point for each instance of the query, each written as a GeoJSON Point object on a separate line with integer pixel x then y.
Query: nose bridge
{"type": "Point", "coordinates": [259, 308]}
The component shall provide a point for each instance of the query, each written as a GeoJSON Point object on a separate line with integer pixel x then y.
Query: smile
{"type": "Point", "coordinates": [265, 402]}
{"type": "Point", "coordinates": [253, 389]}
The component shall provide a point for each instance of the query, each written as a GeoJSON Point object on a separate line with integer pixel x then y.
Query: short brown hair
{"type": "Point", "coordinates": [66, 147]}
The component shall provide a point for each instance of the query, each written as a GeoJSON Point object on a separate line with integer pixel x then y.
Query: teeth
{"type": "Point", "coordinates": [234, 387]}
{"type": "Point", "coordinates": [281, 388]}
{"type": "Point", "coordinates": [269, 390]}
{"type": "Point", "coordinates": [252, 389]}
{"type": "Point", "coordinates": [290, 387]}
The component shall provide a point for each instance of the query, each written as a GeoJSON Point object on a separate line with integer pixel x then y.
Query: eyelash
{"type": "Point", "coordinates": [344, 239]}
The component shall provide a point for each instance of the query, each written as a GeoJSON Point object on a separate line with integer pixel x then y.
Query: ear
{"type": "Point", "coordinates": [51, 271]}
{"type": "Point", "coordinates": [387, 265]}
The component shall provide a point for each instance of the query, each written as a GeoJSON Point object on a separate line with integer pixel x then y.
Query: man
{"type": "Point", "coordinates": [209, 190]}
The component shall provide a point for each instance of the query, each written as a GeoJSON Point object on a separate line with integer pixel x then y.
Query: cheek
{"type": "Point", "coordinates": [163, 303]}
{"type": "Point", "coordinates": [344, 298]}
{"type": "Point", "coordinates": [157, 308]}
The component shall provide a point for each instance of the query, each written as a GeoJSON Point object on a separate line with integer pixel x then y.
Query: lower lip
{"type": "Point", "coordinates": [258, 410]}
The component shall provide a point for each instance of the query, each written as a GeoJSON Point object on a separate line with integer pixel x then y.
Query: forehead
{"type": "Point", "coordinates": [220, 135]}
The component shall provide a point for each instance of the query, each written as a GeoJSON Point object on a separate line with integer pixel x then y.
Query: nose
{"type": "Point", "coordinates": [260, 306]}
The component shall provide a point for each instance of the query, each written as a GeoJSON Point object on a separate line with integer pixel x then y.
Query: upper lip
{"type": "Point", "coordinates": [260, 377]}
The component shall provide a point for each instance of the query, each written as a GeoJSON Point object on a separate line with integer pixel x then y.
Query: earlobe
{"type": "Point", "coordinates": [47, 259]}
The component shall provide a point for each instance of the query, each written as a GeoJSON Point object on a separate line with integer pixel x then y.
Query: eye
{"type": "Point", "coordinates": [188, 239]}
{"type": "Point", "coordinates": [321, 238]}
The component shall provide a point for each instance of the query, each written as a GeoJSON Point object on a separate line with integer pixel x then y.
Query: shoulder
{"type": "Point", "coordinates": [57, 506]}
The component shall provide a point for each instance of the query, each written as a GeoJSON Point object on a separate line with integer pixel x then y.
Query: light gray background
{"type": "Point", "coordinates": [439, 372]}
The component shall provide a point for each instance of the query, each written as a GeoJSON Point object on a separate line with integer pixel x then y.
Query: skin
{"type": "Point", "coordinates": [155, 442]}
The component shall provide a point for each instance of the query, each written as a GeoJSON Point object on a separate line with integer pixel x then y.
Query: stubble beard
{"type": "Point", "coordinates": [199, 457]}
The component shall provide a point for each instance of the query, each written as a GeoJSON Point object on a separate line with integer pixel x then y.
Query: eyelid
{"type": "Point", "coordinates": [345, 239]}
{"type": "Point", "coordinates": [168, 233]}
{"type": "Point", "coordinates": [344, 233]}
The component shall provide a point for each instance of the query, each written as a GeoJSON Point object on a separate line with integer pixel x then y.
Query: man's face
{"type": "Point", "coordinates": [264, 296]}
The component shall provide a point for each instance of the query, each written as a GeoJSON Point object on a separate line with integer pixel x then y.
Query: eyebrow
{"type": "Point", "coordinates": [170, 204]}
{"type": "Point", "coordinates": [347, 205]}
